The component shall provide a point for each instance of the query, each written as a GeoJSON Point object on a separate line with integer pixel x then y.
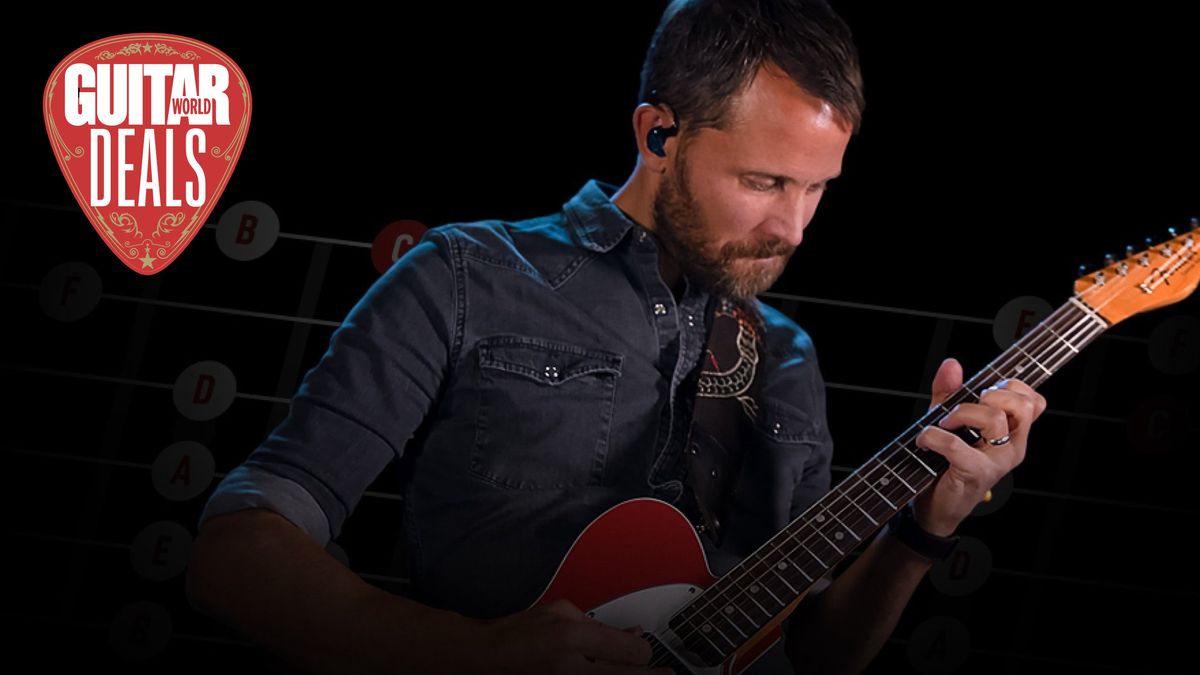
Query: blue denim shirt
{"type": "Point", "coordinates": [528, 376]}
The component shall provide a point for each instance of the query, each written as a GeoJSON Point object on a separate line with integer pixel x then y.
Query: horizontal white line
{"type": "Point", "coordinates": [225, 310]}
{"type": "Point", "coordinates": [325, 322]}
{"type": "Point", "coordinates": [1097, 582]}
{"type": "Point", "coordinates": [1086, 582]}
{"type": "Point", "coordinates": [855, 553]}
{"type": "Point", "coordinates": [843, 469]}
{"type": "Point", "coordinates": [206, 226]}
{"type": "Point", "coordinates": [64, 540]}
{"type": "Point", "coordinates": [381, 577]}
{"type": "Point", "coordinates": [1108, 334]}
{"type": "Point", "coordinates": [212, 309]}
{"type": "Point", "coordinates": [279, 399]}
{"type": "Point", "coordinates": [913, 312]}
{"type": "Point", "coordinates": [127, 380]}
{"type": "Point", "coordinates": [925, 396]}
{"type": "Point", "coordinates": [995, 653]}
{"type": "Point", "coordinates": [147, 467]}
{"type": "Point", "coordinates": [110, 544]}
{"type": "Point", "coordinates": [894, 641]}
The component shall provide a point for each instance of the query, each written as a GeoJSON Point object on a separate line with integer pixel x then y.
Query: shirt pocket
{"type": "Point", "coordinates": [545, 412]}
{"type": "Point", "coordinates": [781, 422]}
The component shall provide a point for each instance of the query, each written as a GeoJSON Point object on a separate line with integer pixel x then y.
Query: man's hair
{"type": "Point", "coordinates": [704, 52]}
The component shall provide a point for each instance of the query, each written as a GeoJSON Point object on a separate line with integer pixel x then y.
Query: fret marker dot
{"type": "Point", "coordinates": [820, 517]}
{"type": "Point", "coordinates": [884, 481]}
{"type": "Point", "coordinates": [837, 535]}
{"type": "Point", "coordinates": [706, 628]}
{"type": "Point", "coordinates": [782, 566]}
{"type": "Point", "coordinates": [729, 609]}
{"type": "Point", "coordinates": [753, 588]}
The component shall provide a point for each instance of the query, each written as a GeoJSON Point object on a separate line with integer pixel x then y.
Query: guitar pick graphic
{"type": "Point", "coordinates": [147, 129]}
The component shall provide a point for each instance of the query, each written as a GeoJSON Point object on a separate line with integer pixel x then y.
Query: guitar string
{"type": "Point", "coordinates": [1061, 343]}
{"type": "Point", "coordinates": [708, 600]}
{"type": "Point", "coordinates": [1034, 337]}
{"type": "Point", "coordinates": [870, 475]}
{"type": "Point", "coordinates": [699, 605]}
{"type": "Point", "coordinates": [1089, 320]}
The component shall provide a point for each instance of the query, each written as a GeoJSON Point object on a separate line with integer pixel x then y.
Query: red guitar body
{"type": "Point", "coordinates": [638, 563]}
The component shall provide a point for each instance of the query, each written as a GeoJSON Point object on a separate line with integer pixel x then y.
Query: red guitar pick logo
{"type": "Point", "coordinates": [147, 129]}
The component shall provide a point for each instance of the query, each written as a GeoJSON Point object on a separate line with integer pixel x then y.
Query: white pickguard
{"type": "Point", "coordinates": [651, 608]}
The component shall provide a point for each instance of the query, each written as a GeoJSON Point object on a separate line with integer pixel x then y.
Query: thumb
{"type": "Point", "coordinates": [947, 381]}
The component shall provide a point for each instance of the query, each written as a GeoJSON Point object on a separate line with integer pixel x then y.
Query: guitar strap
{"type": "Point", "coordinates": [724, 412]}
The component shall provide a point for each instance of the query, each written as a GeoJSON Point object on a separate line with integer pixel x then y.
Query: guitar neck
{"type": "Point", "coordinates": [762, 585]}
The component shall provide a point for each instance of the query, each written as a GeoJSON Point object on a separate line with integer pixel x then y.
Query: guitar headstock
{"type": "Point", "coordinates": [1159, 275]}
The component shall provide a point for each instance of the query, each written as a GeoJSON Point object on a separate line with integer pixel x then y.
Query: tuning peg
{"type": "Point", "coordinates": [1109, 259]}
{"type": "Point", "coordinates": [1171, 231]}
{"type": "Point", "coordinates": [1128, 250]}
{"type": "Point", "coordinates": [1195, 223]}
{"type": "Point", "coordinates": [1082, 271]}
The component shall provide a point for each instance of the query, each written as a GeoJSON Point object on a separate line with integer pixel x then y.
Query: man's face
{"type": "Point", "coordinates": [733, 205]}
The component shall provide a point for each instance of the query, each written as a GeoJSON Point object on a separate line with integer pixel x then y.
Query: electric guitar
{"type": "Point", "coordinates": [642, 563]}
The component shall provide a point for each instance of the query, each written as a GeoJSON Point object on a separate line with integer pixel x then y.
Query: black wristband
{"type": "Point", "coordinates": [917, 538]}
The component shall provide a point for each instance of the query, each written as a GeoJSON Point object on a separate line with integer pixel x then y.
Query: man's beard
{"type": "Point", "coordinates": [731, 272]}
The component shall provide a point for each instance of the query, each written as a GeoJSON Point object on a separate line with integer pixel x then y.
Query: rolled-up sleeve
{"type": "Point", "coordinates": [357, 407]}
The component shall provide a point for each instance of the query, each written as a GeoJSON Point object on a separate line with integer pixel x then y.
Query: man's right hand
{"type": "Point", "coordinates": [557, 638]}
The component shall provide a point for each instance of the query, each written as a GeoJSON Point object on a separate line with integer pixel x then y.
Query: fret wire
{"type": "Point", "coordinates": [1035, 336]}
{"type": "Point", "coordinates": [768, 589]}
{"type": "Point", "coordinates": [741, 591]}
{"type": "Point", "coordinates": [897, 457]}
{"type": "Point", "coordinates": [914, 456]}
{"type": "Point", "coordinates": [1096, 332]}
{"type": "Point", "coordinates": [848, 528]}
{"type": "Point", "coordinates": [921, 478]}
{"type": "Point", "coordinates": [1063, 339]}
{"type": "Point", "coordinates": [779, 550]}
{"type": "Point", "coordinates": [731, 623]}
{"type": "Point", "coordinates": [889, 502]}
{"type": "Point", "coordinates": [1066, 358]}
{"type": "Point", "coordinates": [713, 626]}
{"type": "Point", "coordinates": [1089, 310]}
{"type": "Point", "coordinates": [746, 605]}
{"type": "Point", "coordinates": [868, 515]}
{"type": "Point", "coordinates": [753, 622]}
{"type": "Point", "coordinates": [735, 603]}
{"type": "Point", "coordinates": [705, 634]}
{"type": "Point", "coordinates": [755, 601]}
{"type": "Point", "coordinates": [1049, 346]}
{"type": "Point", "coordinates": [1034, 359]}
{"type": "Point", "coordinates": [785, 581]}
{"type": "Point", "coordinates": [898, 476]}
{"type": "Point", "coordinates": [867, 489]}
{"type": "Point", "coordinates": [839, 551]}
{"type": "Point", "coordinates": [814, 555]}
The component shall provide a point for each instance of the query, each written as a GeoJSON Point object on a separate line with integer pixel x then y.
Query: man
{"type": "Point", "coordinates": [531, 375]}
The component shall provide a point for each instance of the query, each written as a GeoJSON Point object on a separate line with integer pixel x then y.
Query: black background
{"type": "Point", "coordinates": [1002, 147]}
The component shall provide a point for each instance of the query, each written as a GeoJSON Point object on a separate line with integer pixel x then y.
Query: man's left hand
{"type": "Point", "coordinates": [1007, 408]}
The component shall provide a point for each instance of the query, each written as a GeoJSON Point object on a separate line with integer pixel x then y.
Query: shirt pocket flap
{"type": "Point", "coordinates": [545, 361]}
{"type": "Point", "coordinates": [784, 422]}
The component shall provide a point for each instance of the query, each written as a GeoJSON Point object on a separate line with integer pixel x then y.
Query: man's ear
{"type": "Point", "coordinates": [653, 125]}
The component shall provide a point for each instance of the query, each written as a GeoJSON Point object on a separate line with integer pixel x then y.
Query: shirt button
{"type": "Point", "coordinates": [641, 235]}
{"type": "Point", "coordinates": [690, 320]}
{"type": "Point", "coordinates": [660, 308]}
{"type": "Point", "coordinates": [552, 371]}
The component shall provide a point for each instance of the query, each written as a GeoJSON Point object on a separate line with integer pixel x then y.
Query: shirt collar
{"type": "Point", "coordinates": [601, 225]}
{"type": "Point", "coordinates": [599, 222]}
